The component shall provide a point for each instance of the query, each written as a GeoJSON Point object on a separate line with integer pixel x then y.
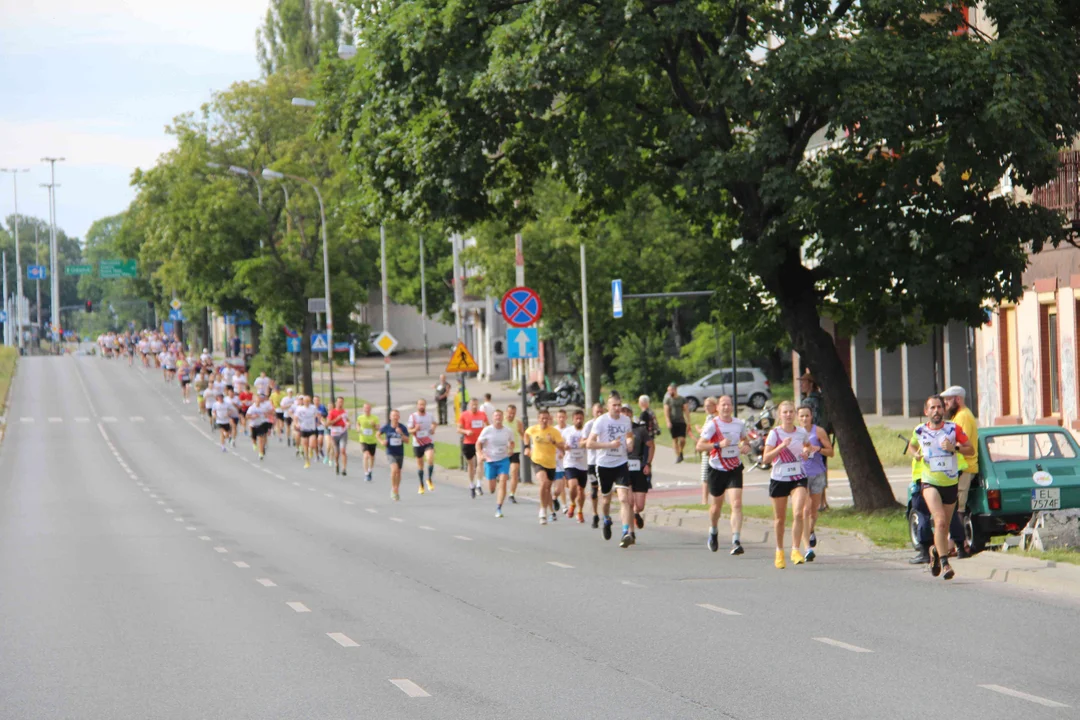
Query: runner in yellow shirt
{"type": "Point", "coordinates": [367, 425]}
{"type": "Point", "coordinates": [541, 443]}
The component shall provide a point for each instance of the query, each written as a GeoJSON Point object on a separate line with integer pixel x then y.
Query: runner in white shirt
{"type": "Point", "coordinates": [494, 447]}
{"type": "Point", "coordinates": [725, 438]}
{"type": "Point", "coordinates": [307, 420]}
{"type": "Point", "coordinates": [421, 428]}
{"type": "Point", "coordinates": [262, 384]}
{"type": "Point", "coordinates": [227, 374]}
{"type": "Point", "coordinates": [558, 488]}
{"type": "Point", "coordinates": [285, 414]}
{"type": "Point", "coordinates": [487, 407]}
{"type": "Point", "coordinates": [261, 418]}
{"type": "Point", "coordinates": [240, 380]}
{"type": "Point", "coordinates": [786, 447]}
{"type": "Point", "coordinates": [209, 397]}
{"type": "Point", "coordinates": [225, 415]}
{"type": "Point", "coordinates": [590, 457]}
{"type": "Point", "coordinates": [206, 358]}
{"type": "Point", "coordinates": [575, 464]}
{"type": "Point", "coordinates": [612, 436]}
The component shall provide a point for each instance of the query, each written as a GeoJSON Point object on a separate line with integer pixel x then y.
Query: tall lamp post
{"type": "Point", "coordinates": [54, 260]}
{"type": "Point", "coordinates": [18, 261]}
{"type": "Point", "coordinates": [269, 174]}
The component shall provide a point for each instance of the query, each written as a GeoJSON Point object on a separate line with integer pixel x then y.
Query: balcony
{"type": "Point", "coordinates": [1063, 192]}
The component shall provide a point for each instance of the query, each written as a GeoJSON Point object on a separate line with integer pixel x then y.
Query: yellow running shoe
{"type": "Point", "coordinates": [306, 464]}
{"type": "Point", "coordinates": [779, 562]}
{"type": "Point", "coordinates": [796, 557]}
{"type": "Point", "coordinates": [421, 490]}
{"type": "Point", "coordinates": [430, 485]}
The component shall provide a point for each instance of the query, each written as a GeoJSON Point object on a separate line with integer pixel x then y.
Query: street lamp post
{"type": "Point", "coordinates": [275, 175]}
{"type": "Point", "coordinates": [54, 252]}
{"type": "Point", "coordinates": [18, 262]}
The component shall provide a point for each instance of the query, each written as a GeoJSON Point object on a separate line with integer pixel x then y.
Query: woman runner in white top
{"type": "Point", "coordinates": [786, 447]}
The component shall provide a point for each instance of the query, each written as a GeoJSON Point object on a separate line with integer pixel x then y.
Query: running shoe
{"type": "Point", "coordinates": [554, 517]}
{"type": "Point", "coordinates": [639, 521]}
{"type": "Point", "coordinates": [262, 456]}
{"type": "Point", "coordinates": [421, 492]}
{"type": "Point", "coordinates": [595, 521]}
{"type": "Point", "coordinates": [948, 574]}
{"type": "Point", "coordinates": [343, 473]}
{"type": "Point", "coordinates": [513, 499]}
{"type": "Point", "coordinates": [223, 448]}
{"type": "Point", "coordinates": [472, 492]}
{"type": "Point", "coordinates": [607, 528]}
{"type": "Point", "coordinates": [737, 548]}
{"type": "Point", "coordinates": [367, 477]}
{"type": "Point", "coordinates": [395, 496]}
{"type": "Point", "coordinates": [580, 517]}
{"type": "Point", "coordinates": [935, 562]}
{"type": "Point", "coordinates": [813, 540]}
{"type": "Point", "coordinates": [779, 560]}
{"type": "Point", "coordinates": [571, 510]}
{"type": "Point", "coordinates": [337, 470]}
{"type": "Point", "coordinates": [543, 520]}
{"type": "Point", "coordinates": [797, 557]}
{"type": "Point", "coordinates": [713, 542]}
{"type": "Point", "coordinates": [498, 512]}
{"type": "Point", "coordinates": [479, 490]}
{"type": "Point", "coordinates": [306, 464]}
{"type": "Point", "coordinates": [810, 555]}
{"type": "Point", "coordinates": [430, 485]}
{"type": "Point", "coordinates": [555, 502]}
{"type": "Point", "coordinates": [627, 541]}
{"type": "Point", "coordinates": [254, 446]}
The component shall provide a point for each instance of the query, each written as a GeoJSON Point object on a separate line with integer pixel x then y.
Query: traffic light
{"type": "Point", "coordinates": [89, 306]}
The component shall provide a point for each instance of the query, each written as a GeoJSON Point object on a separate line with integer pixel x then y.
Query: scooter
{"type": "Point", "coordinates": [759, 427]}
{"type": "Point", "coordinates": [567, 392]}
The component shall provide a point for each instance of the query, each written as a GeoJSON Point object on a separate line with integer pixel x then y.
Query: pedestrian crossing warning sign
{"type": "Point", "coordinates": [461, 360]}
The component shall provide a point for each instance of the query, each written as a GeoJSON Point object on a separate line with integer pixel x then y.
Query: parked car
{"type": "Point", "coordinates": [754, 389]}
{"type": "Point", "coordinates": [1023, 469]}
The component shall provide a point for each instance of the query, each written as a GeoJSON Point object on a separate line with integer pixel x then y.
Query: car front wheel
{"type": "Point", "coordinates": [757, 401]}
{"type": "Point", "coordinates": [913, 528]}
{"type": "Point", "coordinates": [693, 404]}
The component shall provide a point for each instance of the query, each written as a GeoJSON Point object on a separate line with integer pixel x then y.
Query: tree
{"type": "Point", "coordinates": [34, 248]}
{"type": "Point", "coordinates": [713, 106]}
{"type": "Point", "coordinates": [294, 32]}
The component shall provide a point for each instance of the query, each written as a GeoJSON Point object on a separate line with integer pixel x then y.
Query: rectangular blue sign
{"type": "Point", "coordinates": [522, 343]}
{"type": "Point", "coordinates": [177, 315]}
{"type": "Point", "coordinates": [616, 298]}
{"type": "Point", "coordinates": [292, 344]}
{"type": "Point", "coordinates": [36, 272]}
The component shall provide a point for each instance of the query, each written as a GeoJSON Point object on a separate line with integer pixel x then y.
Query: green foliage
{"type": "Point", "coordinates": [294, 32]}
{"type": "Point", "coordinates": [34, 248]}
{"type": "Point", "coordinates": [641, 369]}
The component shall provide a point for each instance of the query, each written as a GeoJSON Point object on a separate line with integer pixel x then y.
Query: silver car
{"type": "Point", "coordinates": [753, 388]}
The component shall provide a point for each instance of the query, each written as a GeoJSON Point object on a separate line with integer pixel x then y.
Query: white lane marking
{"type": "Point", "coordinates": [296, 484]}
{"type": "Point", "coordinates": [145, 489]}
{"type": "Point", "coordinates": [204, 537]}
{"type": "Point", "coordinates": [560, 565]}
{"type": "Point", "coordinates": [279, 477]}
{"type": "Point", "coordinates": [508, 550]}
{"type": "Point", "coordinates": [138, 418]}
{"type": "Point", "coordinates": [108, 419]}
{"type": "Point", "coordinates": [311, 489]}
{"type": "Point", "coordinates": [1024, 696]}
{"type": "Point", "coordinates": [178, 519]}
{"type": "Point", "coordinates": [26, 420]}
{"type": "Point", "coordinates": [56, 419]}
{"type": "Point", "coordinates": [169, 510]}
{"type": "Point", "coordinates": [241, 564]}
{"type": "Point", "coordinates": [722, 611]}
{"type": "Point", "coordinates": [373, 511]}
{"type": "Point", "coordinates": [427, 527]}
{"type": "Point", "coordinates": [842, 645]}
{"type": "Point", "coordinates": [220, 549]}
{"type": "Point", "coordinates": [139, 484]}
{"type": "Point", "coordinates": [343, 640]}
{"type": "Point", "coordinates": [82, 419]}
{"type": "Point", "coordinates": [329, 495]}
{"type": "Point", "coordinates": [397, 519]}
{"type": "Point", "coordinates": [266, 582]}
{"type": "Point", "coordinates": [349, 502]}
{"type": "Point", "coordinates": [632, 584]}
{"type": "Point", "coordinates": [298, 606]}
{"type": "Point", "coordinates": [153, 496]}
{"type": "Point", "coordinates": [462, 537]}
{"type": "Point", "coordinates": [190, 527]}
{"type": "Point", "coordinates": [410, 688]}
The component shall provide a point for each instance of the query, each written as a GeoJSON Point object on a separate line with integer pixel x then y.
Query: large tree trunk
{"type": "Point", "coordinates": [870, 488]}
{"type": "Point", "coordinates": [305, 355]}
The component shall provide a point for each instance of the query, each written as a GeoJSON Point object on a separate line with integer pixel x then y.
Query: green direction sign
{"type": "Point", "coordinates": [113, 269]}
{"type": "Point", "coordinates": [78, 269]}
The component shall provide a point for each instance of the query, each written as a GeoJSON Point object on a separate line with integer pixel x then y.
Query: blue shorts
{"type": "Point", "coordinates": [560, 474]}
{"type": "Point", "coordinates": [493, 469]}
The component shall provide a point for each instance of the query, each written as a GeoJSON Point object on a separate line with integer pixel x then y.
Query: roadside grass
{"type": "Point", "coordinates": [447, 455]}
{"type": "Point", "coordinates": [887, 529]}
{"type": "Point", "coordinates": [8, 357]}
{"type": "Point", "coordinates": [1063, 555]}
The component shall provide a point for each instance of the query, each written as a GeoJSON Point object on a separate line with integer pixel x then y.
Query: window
{"type": "Point", "coordinates": [1024, 447]}
{"type": "Point", "coordinates": [745, 377]}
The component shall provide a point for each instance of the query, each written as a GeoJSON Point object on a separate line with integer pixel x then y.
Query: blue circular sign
{"type": "Point", "coordinates": [521, 307]}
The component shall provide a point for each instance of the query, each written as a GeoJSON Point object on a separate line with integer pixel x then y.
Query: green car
{"type": "Point", "coordinates": [1023, 469]}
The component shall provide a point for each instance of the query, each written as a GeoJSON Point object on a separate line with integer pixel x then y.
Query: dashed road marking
{"type": "Point", "coordinates": [220, 549]}
{"type": "Point", "coordinates": [82, 419]}
{"type": "Point", "coordinates": [342, 639]}
{"type": "Point", "coordinates": [108, 419]}
{"type": "Point", "coordinates": [329, 495]}
{"type": "Point", "coordinates": [56, 419]}
{"type": "Point", "coordinates": [349, 502]}
{"type": "Point", "coordinates": [279, 477]}
{"type": "Point", "coordinates": [190, 527]}
{"type": "Point", "coordinates": [410, 688]}
{"type": "Point", "coordinates": [842, 645]}
{"type": "Point", "coordinates": [1024, 696]}
{"type": "Point", "coordinates": [509, 550]}
{"type": "Point", "coordinates": [266, 582]}
{"type": "Point", "coordinates": [178, 519]}
{"type": "Point", "coordinates": [298, 607]}
{"type": "Point", "coordinates": [169, 510]}
{"type": "Point", "coordinates": [396, 519]}
{"type": "Point", "coordinates": [560, 565]}
{"type": "Point", "coordinates": [241, 564]}
{"type": "Point", "coordinates": [26, 420]}
{"type": "Point", "coordinates": [462, 537]}
{"type": "Point", "coordinates": [632, 584]}
{"type": "Point", "coordinates": [296, 484]}
{"type": "Point", "coordinates": [373, 511]}
{"type": "Point", "coordinates": [718, 609]}
{"type": "Point", "coordinates": [204, 537]}
{"type": "Point", "coordinates": [137, 418]}
{"type": "Point", "coordinates": [427, 527]}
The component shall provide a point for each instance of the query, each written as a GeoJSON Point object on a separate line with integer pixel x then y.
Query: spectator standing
{"type": "Point", "coordinates": [675, 414]}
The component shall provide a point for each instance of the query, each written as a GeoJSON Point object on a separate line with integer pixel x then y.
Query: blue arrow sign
{"type": "Point", "coordinates": [177, 315]}
{"type": "Point", "coordinates": [522, 343]}
{"type": "Point", "coordinates": [318, 342]}
{"type": "Point", "coordinates": [616, 298]}
{"type": "Point", "coordinates": [36, 272]}
{"type": "Point", "coordinates": [292, 344]}
{"type": "Point", "coordinates": [167, 328]}
{"type": "Point", "coordinates": [3, 316]}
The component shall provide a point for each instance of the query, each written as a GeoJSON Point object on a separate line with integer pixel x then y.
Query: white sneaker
{"type": "Point", "coordinates": [543, 520]}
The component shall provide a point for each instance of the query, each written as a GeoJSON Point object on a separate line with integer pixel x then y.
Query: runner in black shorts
{"type": "Point", "coordinates": [612, 436]}
{"type": "Point", "coordinates": [639, 468]}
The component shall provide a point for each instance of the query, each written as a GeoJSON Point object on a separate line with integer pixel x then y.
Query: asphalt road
{"type": "Point", "coordinates": [146, 574]}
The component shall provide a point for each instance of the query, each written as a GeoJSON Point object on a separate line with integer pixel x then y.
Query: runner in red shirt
{"type": "Point", "coordinates": [244, 401]}
{"type": "Point", "coordinates": [338, 422]}
{"type": "Point", "coordinates": [470, 425]}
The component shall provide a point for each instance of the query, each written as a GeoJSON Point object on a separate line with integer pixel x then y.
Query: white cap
{"type": "Point", "coordinates": [954, 391]}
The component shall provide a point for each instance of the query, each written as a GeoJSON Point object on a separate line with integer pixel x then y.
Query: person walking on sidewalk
{"type": "Point", "coordinates": [723, 440]}
{"type": "Point", "coordinates": [814, 469]}
{"type": "Point", "coordinates": [675, 414]}
{"type": "Point", "coordinates": [442, 396]}
{"type": "Point", "coordinates": [785, 448]}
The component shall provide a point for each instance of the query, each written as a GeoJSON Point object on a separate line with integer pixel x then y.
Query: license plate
{"type": "Point", "coordinates": [1046, 499]}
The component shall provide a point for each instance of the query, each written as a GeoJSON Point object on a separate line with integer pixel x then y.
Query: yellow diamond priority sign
{"type": "Point", "coordinates": [461, 360]}
{"type": "Point", "coordinates": [176, 304]}
{"type": "Point", "coordinates": [386, 343]}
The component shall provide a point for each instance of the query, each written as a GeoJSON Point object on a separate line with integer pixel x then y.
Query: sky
{"type": "Point", "coordinates": [97, 82]}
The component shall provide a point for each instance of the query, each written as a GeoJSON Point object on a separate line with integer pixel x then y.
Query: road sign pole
{"type": "Point", "coordinates": [386, 360]}
{"type": "Point", "coordinates": [585, 335]}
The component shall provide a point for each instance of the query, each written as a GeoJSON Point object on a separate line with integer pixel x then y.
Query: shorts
{"type": "Point", "coordinates": [369, 448]}
{"type": "Point", "coordinates": [720, 481]}
{"type": "Point", "coordinates": [949, 493]}
{"type": "Point", "coordinates": [963, 485]}
{"type": "Point", "coordinates": [639, 481]}
{"type": "Point", "coordinates": [341, 440]}
{"type": "Point", "coordinates": [184, 383]}
{"type": "Point", "coordinates": [307, 433]}
{"type": "Point", "coordinates": [560, 474]}
{"type": "Point", "coordinates": [582, 476]}
{"type": "Point", "coordinates": [784, 488]}
{"type": "Point", "coordinates": [288, 420]}
{"type": "Point", "coordinates": [257, 431]}
{"type": "Point", "coordinates": [515, 458]}
{"type": "Point", "coordinates": [224, 426]}
{"type": "Point", "coordinates": [612, 476]}
{"type": "Point", "coordinates": [550, 472]}
{"type": "Point", "coordinates": [592, 475]}
{"type": "Point", "coordinates": [280, 415]}
{"type": "Point", "coordinates": [494, 468]}
{"type": "Point", "coordinates": [468, 450]}
{"type": "Point", "coordinates": [394, 459]}
{"type": "Point", "coordinates": [816, 483]}
{"type": "Point", "coordinates": [678, 429]}
{"type": "Point", "coordinates": [419, 450]}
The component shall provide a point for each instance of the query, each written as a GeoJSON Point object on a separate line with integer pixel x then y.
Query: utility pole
{"type": "Point", "coordinates": [54, 250]}
{"type": "Point", "coordinates": [37, 261]}
{"type": "Point", "coordinates": [7, 306]}
{"type": "Point", "coordinates": [18, 260]}
{"type": "Point", "coordinates": [385, 311]}
{"type": "Point", "coordinates": [585, 335]}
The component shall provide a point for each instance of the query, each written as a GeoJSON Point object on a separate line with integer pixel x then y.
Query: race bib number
{"type": "Point", "coordinates": [786, 470]}
{"type": "Point", "coordinates": [395, 441]}
{"type": "Point", "coordinates": [477, 424]}
{"type": "Point", "coordinates": [420, 434]}
{"type": "Point", "coordinates": [635, 465]}
{"type": "Point", "coordinates": [367, 431]}
{"type": "Point", "coordinates": [731, 451]}
{"type": "Point", "coordinates": [337, 431]}
{"type": "Point", "coordinates": [945, 464]}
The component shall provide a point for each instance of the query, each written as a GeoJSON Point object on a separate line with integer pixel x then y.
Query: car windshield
{"type": "Point", "coordinates": [1022, 447]}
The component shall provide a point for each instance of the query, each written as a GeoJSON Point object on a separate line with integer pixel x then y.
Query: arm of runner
{"type": "Point", "coordinates": [592, 442]}
{"type": "Point", "coordinates": [827, 448]}
{"type": "Point", "coordinates": [703, 444]}
{"type": "Point", "coordinates": [629, 442]}
{"type": "Point", "coordinates": [771, 451]}
{"type": "Point", "coordinates": [652, 452]}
